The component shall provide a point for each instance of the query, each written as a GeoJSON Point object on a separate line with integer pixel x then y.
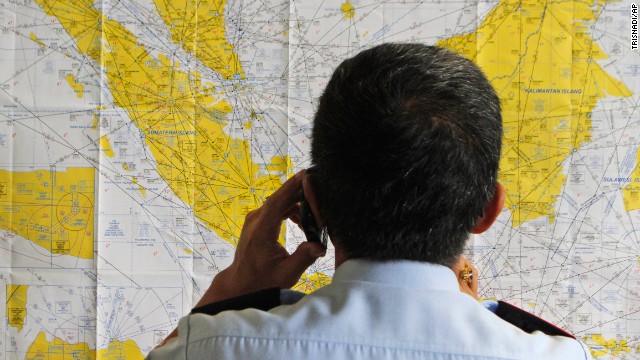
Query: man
{"type": "Point", "coordinates": [405, 147]}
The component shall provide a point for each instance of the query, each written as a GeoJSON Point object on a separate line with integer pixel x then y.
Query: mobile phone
{"type": "Point", "coordinates": [309, 225]}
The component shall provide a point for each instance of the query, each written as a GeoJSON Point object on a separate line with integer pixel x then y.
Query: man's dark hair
{"type": "Point", "coordinates": [406, 147]}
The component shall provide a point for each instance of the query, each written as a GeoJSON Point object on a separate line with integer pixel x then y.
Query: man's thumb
{"type": "Point", "coordinates": [303, 257]}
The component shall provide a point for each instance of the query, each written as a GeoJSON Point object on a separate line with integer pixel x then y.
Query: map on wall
{"type": "Point", "coordinates": [135, 135]}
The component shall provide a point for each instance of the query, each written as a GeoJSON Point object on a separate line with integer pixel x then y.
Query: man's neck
{"type": "Point", "coordinates": [340, 257]}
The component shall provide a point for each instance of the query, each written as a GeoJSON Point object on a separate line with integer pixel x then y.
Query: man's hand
{"type": "Point", "coordinates": [260, 262]}
{"type": "Point", "coordinates": [471, 286]}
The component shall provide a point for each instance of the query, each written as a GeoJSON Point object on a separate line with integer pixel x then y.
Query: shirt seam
{"type": "Point", "coordinates": [350, 344]}
{"type": "Point", "coordinates": [441, 287]}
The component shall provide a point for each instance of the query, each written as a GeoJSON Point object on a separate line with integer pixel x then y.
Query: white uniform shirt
{"type": "Point", "coordinates": [371, 310]}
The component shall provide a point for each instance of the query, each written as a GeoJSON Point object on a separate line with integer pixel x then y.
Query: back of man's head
{"type": "Point", "coordinates": [406, 146]}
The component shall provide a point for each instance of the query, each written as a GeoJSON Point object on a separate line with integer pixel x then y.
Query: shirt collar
{"type": "Point", "coordinates": [405, 273]}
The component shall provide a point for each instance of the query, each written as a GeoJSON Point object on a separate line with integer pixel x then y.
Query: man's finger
{"type": "Point", "coordinates": [285, 196]}
{"type": "Point", "coordinates": [293, 214]}
{"type": "Point", "coordinates": [276, 206]}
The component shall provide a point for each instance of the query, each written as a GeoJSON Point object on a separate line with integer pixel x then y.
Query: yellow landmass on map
{"type": "Point", "coordinates": [600, 346]}
{"type": "Point", "coordinates": [105, 145]}
{"type": "Point", "coordinates": [141, 188]}
{"type": "Point", "coordinates": [199, 27]}
{"type": "Point", "coordinates": [312, 282]}
{"type": "Point", "coordinates": [33, 37]}
{"type": "Point", "coordinates": [77, 87]}
{"type": "Point", "coordinates": [117, 350]}
{"type": "Point", "coordinates": [181, 120]}
{"type": "Point", "coordinates": [347, 10]}
{"type": "Point", "coordinates": [58, 349]}
{"type": "Point", "coordinates": [51, 208]}
{"type": "Point", "coordinates": [541, 59]}
{"type": "Point", "coordinates": [16, 305]}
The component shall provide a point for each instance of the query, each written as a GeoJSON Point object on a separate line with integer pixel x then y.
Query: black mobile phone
{"type": "Point", "coordinates": [309, 225]}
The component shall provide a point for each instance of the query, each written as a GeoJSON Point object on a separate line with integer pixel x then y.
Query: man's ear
{"type": "Point", "coordinates": [310, 197]}
{"type": "Point", "coordinates": [491, 211]}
